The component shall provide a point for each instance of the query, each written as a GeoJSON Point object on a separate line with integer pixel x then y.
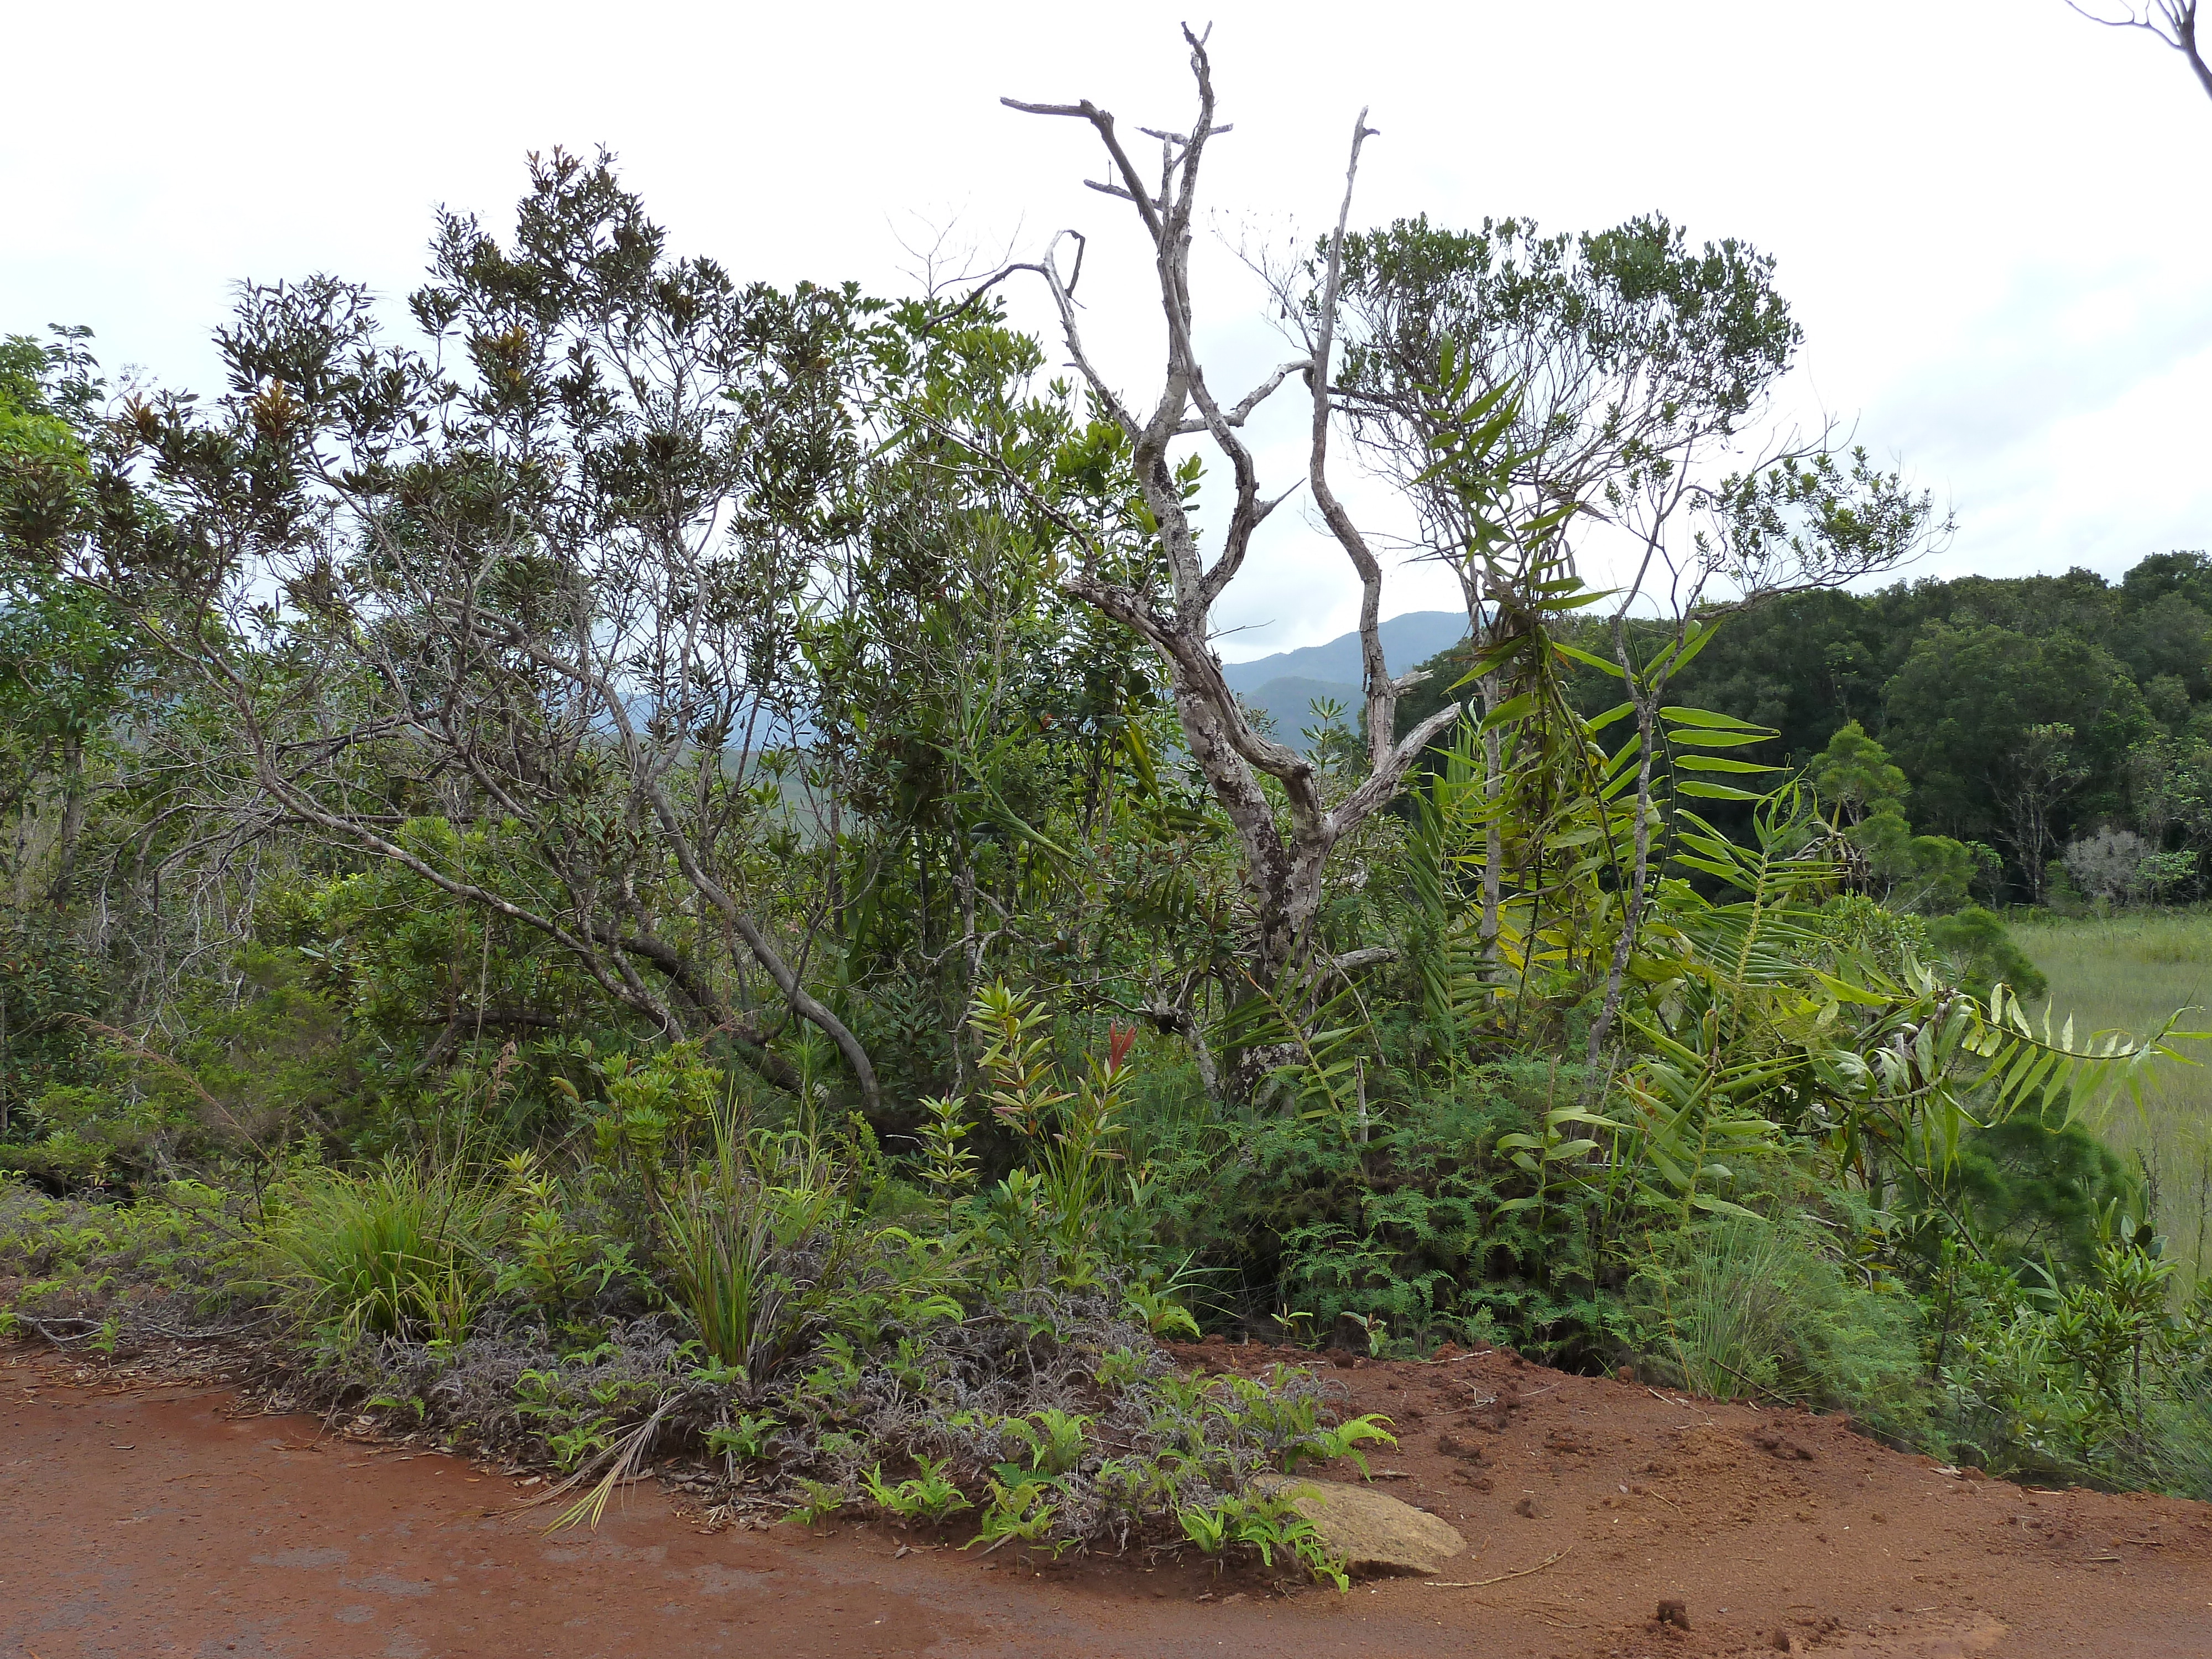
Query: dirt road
{"type": "Point", "coordinates": [148, 1521]}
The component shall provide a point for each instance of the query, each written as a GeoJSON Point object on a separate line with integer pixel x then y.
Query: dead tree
{"type": "Point", "coordinates": [2172, 22]}
{"type": "Point", "coordinates": [1285, 851]}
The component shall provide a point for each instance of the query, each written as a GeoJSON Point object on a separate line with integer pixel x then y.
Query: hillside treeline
{"type": "Point", "coordinates": [2059, 726]}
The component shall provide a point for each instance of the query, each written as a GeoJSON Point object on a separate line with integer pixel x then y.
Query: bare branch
{"type": "Point", "coordinates": [1259, 395]}
{"type": "Point", "coordinates": [1285, 841]}
{"type": "Point", "coordinates": [2172, 22]}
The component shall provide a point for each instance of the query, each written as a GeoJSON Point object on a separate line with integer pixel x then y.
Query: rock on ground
{"type": "Point", "coordinates": [1373, 1531]}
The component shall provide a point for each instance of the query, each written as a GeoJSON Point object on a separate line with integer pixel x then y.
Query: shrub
{"type": "Point", "coordinates": [177, 1262]}
{"type": "Point", "coordinates": [2108, 865]}
{"type": "Point", "coordinates": [2034, 1193]}
{"type": "Point", "coordinates": [1397, 1238]}
{"type": "Point", "coordinates": [403, 1250]}
{"type": "Point", "coordinates": [763, 1242]}
{"type": "Point", "coordinates": [1740, 1306]}
{"type": "Point", "coordinates": [2105, 1380]}
{"type": "Point", "coordinates": [1984, 954]}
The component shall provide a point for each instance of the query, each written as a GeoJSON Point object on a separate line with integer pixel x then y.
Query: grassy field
{"type": "Point", "coordinates": [2129, 971]}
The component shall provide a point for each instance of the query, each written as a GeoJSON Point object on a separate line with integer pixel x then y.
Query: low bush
{"type": "Point", "coordinates": [176, 1264]}
{"type": "Point", "coordinates": [760, 1242]}
{"type": "Point", "coordinates": [1744, 1307]}
{"type": "Point", "coordinates": [1412, 1229]}
{"type": "Point", "coordinates": [405, 1249]}
{"type": "Point", "coordinates": [766, 1295]}
{"type": "Point", "coordinates": [2106, 1380]}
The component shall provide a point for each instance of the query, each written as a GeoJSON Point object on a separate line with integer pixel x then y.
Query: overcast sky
{"type": "Point", "coordinates": [1991, 217]}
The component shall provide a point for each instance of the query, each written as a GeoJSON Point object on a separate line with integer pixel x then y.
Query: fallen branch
{"type": "Point", "coordinates": [1477, 1583]}
{"type": "Point", "coordinates": [56, 1338]}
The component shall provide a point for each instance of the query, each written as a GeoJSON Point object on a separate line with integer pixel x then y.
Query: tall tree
{"type": "Point", "coordinates": [1286, 826]}
{"type": "Point", "coordinates": [1612, 382]}
{"type": "Point", "coordinates": [66, 657]}
{"type": "Point", "coordinates": [547, 581]}
{"type": "Point", "coordinates": [1962, 717]}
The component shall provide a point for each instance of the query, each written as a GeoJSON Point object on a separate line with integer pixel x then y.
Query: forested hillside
{"type": "Point", "coordinates": [631, 857]}
{"type": "Point", "coordinates": [2033, 715]}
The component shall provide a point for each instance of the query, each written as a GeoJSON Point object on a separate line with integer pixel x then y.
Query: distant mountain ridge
{"type": "Point", "coordinates": [1414, 637]}
{"type": "Point", "coordinates": [1288, 683]}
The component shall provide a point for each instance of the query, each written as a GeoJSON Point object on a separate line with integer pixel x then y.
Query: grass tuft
{"type": "Point", "coordinates": [404, 1250]}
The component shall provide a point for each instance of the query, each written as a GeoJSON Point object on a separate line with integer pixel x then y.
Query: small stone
{"type": "Point", "coordinates": [1676, 1613]}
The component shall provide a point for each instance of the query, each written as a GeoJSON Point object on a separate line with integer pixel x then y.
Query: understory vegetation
{"type": "Point", "coordinates": [664, 868]}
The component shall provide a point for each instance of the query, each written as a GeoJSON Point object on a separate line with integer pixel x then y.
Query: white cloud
{"type": "Point", "coordinates": [1990, 214]}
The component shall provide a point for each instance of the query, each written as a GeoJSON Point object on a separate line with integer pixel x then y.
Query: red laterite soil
{"type": "Point", "coordinates": [143, 1519]}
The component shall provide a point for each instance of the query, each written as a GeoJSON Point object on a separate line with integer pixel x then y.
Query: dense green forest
{"type": "Point", "coordinates": [2060, 727]}
{"type": "Point", "coordinates": [641, 859]}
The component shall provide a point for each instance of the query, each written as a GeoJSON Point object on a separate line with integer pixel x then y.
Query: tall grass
{"type": "Point", "coordinates": [2129, 971]}
{"type": "Point", "coordinates": [403, 1249]}
{"type": "Point", "coordinates": [1739, 1307]}
{"type": "Point", "coordinates": [756, 1239]}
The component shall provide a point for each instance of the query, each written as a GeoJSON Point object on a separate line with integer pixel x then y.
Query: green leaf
{"type": "Point", "coordinates": [1844, 991]}
{"type": "Point", "coordinates": [1726, 872]}
{"type": "Point", "coordinates": [1719, 763]}
{"type": "Point", "coordinates": [1712, 1206]}
{"type": "Point", "coordinates": [1513, 708]}
{"type": "Point", "coordinates": [1680, 714]}
{"type": "Point", "coordinates": [1583, 656]}
{"type": "Point", "coordinates": [1704, 739]}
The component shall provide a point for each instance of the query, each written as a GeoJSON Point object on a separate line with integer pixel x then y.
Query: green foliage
{"type": "Point", "coordinates": [2107, 1379]}
{"type": "Point", "coordinates": [741, 953]}
{"type": "Point", "coordinates": [948, 1164]}
{"type": "Point", "coordinates": [1976, 939]}
{"type": "Point", "coordinates": [1053, 1439]}
{"type": "Point", "coordinates": [745, 1439]}
{"type": "Point", "coordinates": [1746, 1307]}
{"type": "Point", "coordinates": [49, 984]}
{"type": "Point", "coordinates": [401, 1250]}
{"type": "Point", "coordinates": [1264, 1524]}
{"type": "Point", "coordinates": [2033, 1195]}
{"type": "Point", "coordinates": [183, 1252]}
{"type": "Point", "coordinates": [1864, 795]}
{"type": "Point", "coordinates": [764, 1248]}
{"type": "Point", "coordinates": [1930, 875]}
{"type": "Point", "coordinates": [1853, 778]}
{"type": "Point", "coordinates": [1072, 1136]}
{"type": "Point", "coordinates": [1024, 1511]}
{"type": "Point", "coordinates": [822, 1500]}
{"type": "Point", "coordinates": [1965, 705]}
{"type": "Point", "coordinates": [255, 1066]}
{"type": "Point", "coordinates": [548, 1258]}
{"type": "Point", "coordinates": [928, 1496]}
